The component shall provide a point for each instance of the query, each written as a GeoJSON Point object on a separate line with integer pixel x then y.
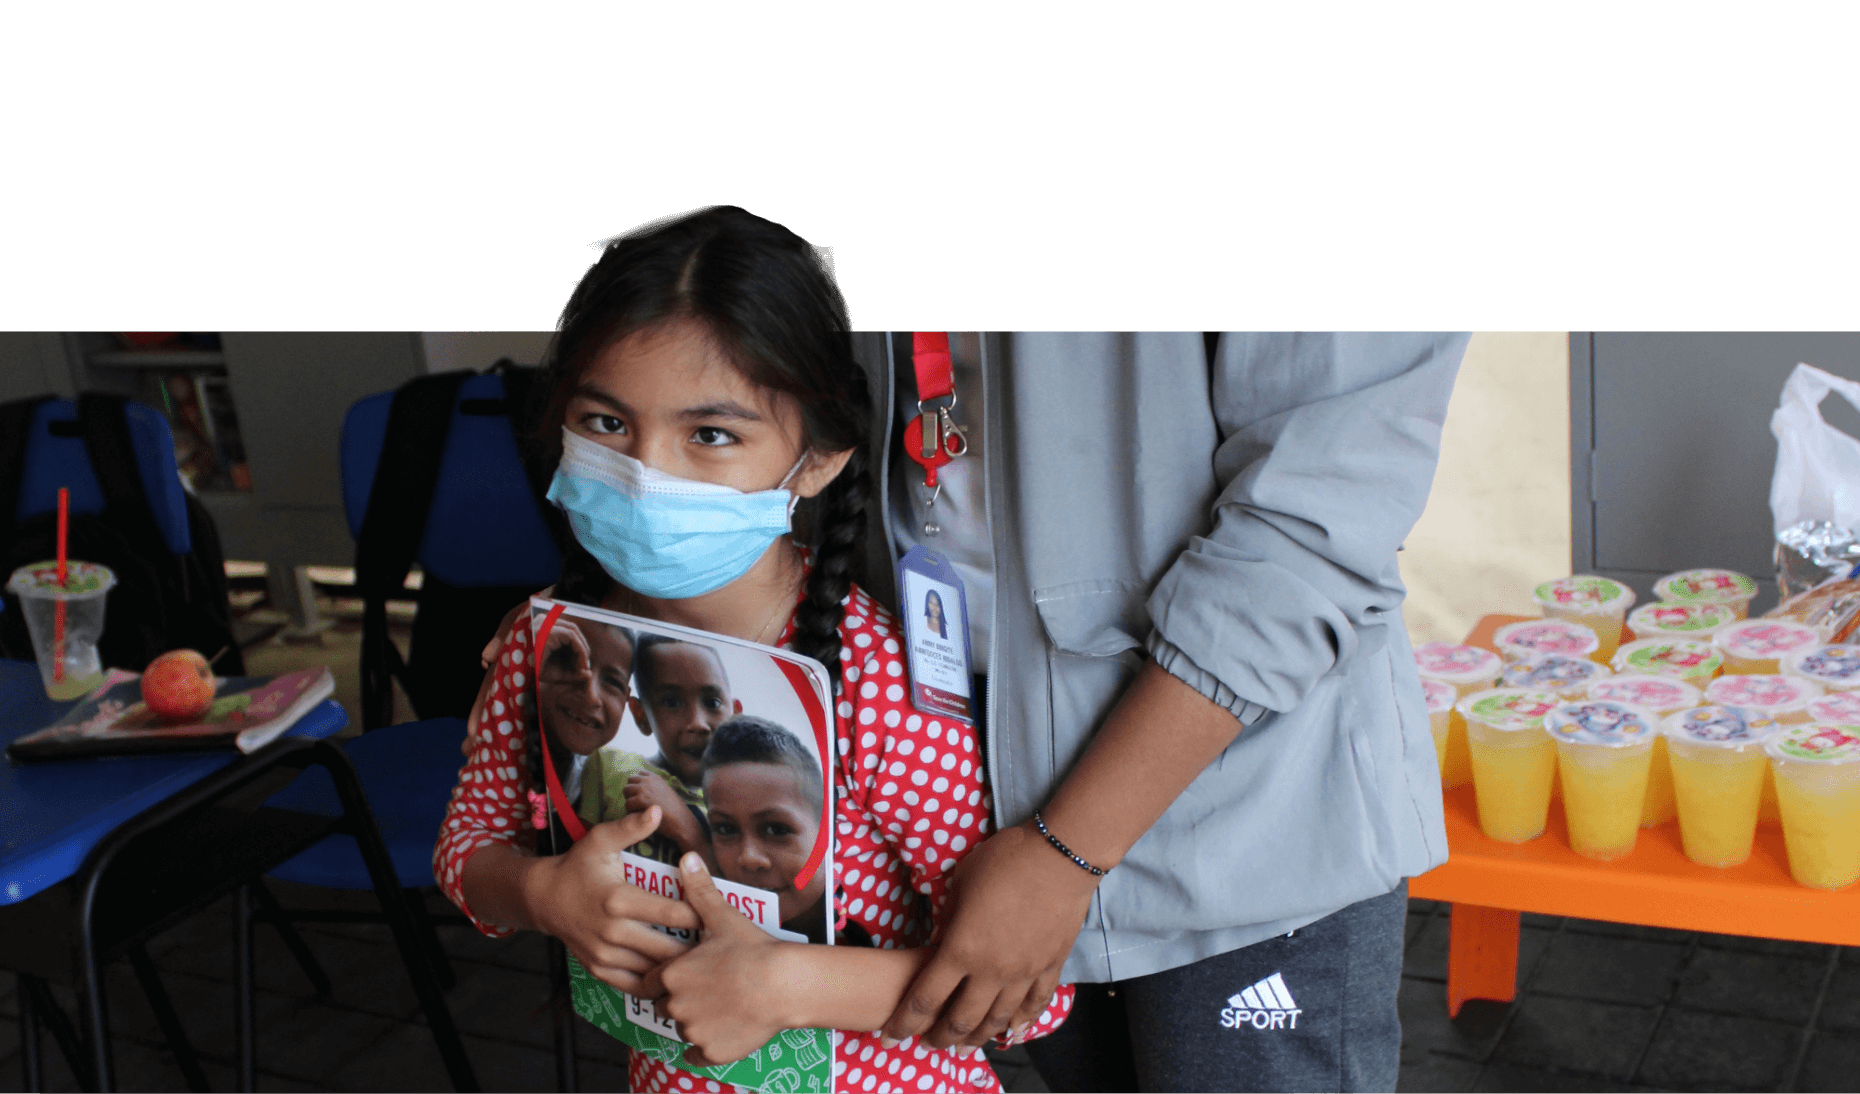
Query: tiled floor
{"type": "Point", "coordinates": [1600, 1006]}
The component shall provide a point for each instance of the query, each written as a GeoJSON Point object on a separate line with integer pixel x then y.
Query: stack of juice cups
{"type": "Point", "coordinates": [1535, 637]}
{"type": "Point", "coordinates": [1663, 620]}
{"type": "Point", "coordinates": [1595, 602]}
{"type": "Point", "coordinates": [1468, 669]}
{"type": "Point", "coordinates": [1440, 698]}
{"type": "Point", "coordinates": [1817, 771]}
{"type": "Point", "coordinates": [1603, 752]}
{"type": "Point", "coordinates": [1513, 762]}
{"type": "Point", "coordinates": [1663, 695]}
{"type": "Point", "coordinates": [1759, 645]}
{"type": "Point", "coordinates": [1568, 677]}
{"type": "Point", "coordinates": [1718, 771]}
{"type": "Point", "coordinates": [1726, 587]}
{"type": "Point", "coordinates": [1836, 668]}
{"type": "Point", "coordinates": [1782, 699]}
{"type": "Point", "coordinates": [1681, 658]}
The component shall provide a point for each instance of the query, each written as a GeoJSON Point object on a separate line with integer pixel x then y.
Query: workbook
{"type": "Point", "coordinates": [248, 713]}
{"type": "Point", "coordinates": [731, 740]}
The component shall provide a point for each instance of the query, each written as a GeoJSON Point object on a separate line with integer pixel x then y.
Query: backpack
{"type": "Point", "coordinates": [440, 674]}
{"type": "Point", "coordinates": [163, 599]}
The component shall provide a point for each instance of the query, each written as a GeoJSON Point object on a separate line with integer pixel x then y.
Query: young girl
{"type": "Point", "coordinates": [701, 385]}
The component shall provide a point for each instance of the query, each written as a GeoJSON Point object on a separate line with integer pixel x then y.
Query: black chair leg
{"type": "Point", "coordinates": [274, 913]}
{"type": "Point", "coordinates": [562, 1014]}
{"type": "Point", "coordinates": [423, 919]}
{"type": "Point", "coordinates": [170, 1023]}
{"type": "Point", "coordinates": [31, 1075]}
{"type": "Point", "coordinates": [36, 994]}
{"type": "Point", "coordinates": [243, 1017]}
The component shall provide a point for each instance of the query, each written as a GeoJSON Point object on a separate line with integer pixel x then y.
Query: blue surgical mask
{"type": "Point", "coordinates": [660, 535]}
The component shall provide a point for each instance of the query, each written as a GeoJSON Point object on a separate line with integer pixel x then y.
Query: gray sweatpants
{"type": "Point", "coordinates": [1313, 1010]}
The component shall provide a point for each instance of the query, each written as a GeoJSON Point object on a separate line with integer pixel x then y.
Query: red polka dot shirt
{"type": "Point", "coordinates": [910, 803]}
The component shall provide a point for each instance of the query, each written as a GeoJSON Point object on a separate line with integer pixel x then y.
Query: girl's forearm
{"type": "Point", "coordinates": [844, 987]}
{"type": "Point", "coordinates": [497, 882]}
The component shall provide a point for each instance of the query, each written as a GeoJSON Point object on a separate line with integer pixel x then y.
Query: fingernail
{"type": "Point", "coordinates": [652, 813]}
{"type": "Point", "coordinates": [888, 1042]}
{"type": "Point", "coordinates": [693, 862]}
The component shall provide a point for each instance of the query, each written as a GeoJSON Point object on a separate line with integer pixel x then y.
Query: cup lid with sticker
{"type": "Point", "coordinates": [1839, 707]}
{"type": "Point", "coordinates": [1705, 586]}
{"type": "Point", "coordinates": [1602, 722]}
{"type": "Point", "coordinates": [1585, 592]}
{"type": "Point", "coordinates": [1456, 664]}
{"type": "Point", "coordinates": [1817, 743]}
{"type": "Point", "coordinates": [1680, 620]}
{"type": "Point", "coordinates": [1685, 658]}
{"type": "Point", "coordinates": [1656, 693]}
{"type": "Point", "coordinates": [1766, 639]}
{"type": "Point", "coordinates": [1553, 672]}
{"type": "Point", "coordinates": [1763, 691]}
{"type": "Point", "coordinates": [1720, 726]}
{"type": "Point", "coordinates": [1439, 694]}
{"type": "Point", "coordinates": [1833, 666]}
{"type": "Point", "coordinates": [1537, 636]}
{"type": "Point", "coordinates": [83, 580]}
{"type": "Point", "coordinates": [1509, 708]}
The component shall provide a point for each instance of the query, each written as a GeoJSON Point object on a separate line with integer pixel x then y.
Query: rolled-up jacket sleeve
{"type": "Point", "coordinates": [1328, 448]}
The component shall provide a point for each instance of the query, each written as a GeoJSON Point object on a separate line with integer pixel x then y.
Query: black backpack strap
{"type": "Point", "coordinates": [15, 434]}
{"type": "Point", "coordinates": [419, 419]}
{"type": "Point", "coordinates": [105, 422]}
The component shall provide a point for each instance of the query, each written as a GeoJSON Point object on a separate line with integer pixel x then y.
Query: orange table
{"type": "Point", "coordinates": [1489, 883]}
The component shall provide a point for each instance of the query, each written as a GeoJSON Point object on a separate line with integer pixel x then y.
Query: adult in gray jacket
{"type": "Point", "coordinates": [1199, 679]}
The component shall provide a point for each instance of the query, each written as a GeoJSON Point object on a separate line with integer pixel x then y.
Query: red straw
{"type": "Point", "coordinates": [58, 606]}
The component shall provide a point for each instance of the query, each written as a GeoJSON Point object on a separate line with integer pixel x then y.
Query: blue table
{"type": "Point", "coordinates": [65, 825]}
{"type": "Point", "coordinates": [53, 814]}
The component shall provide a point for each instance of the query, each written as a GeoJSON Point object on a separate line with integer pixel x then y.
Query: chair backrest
{"type": "Point", "coordinates": [56, 456]}
{"type": "Point", "coordinates": [482, 526]}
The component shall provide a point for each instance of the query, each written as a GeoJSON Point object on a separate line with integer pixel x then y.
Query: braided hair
{"type": "Point", "coordinates": [767, 300]}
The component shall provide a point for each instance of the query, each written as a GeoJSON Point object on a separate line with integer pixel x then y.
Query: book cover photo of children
{"type": "Point", "coordinates": [709, 729]}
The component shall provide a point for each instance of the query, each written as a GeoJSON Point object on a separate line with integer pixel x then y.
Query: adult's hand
{"type": "Point", "coordinates": [584, 899]}
{"type": "Point", "coordinates": [1015, 906]}
{"type": "Point", "coordinates": [726, 994]}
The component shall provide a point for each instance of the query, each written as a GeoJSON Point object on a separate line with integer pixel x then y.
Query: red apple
{"type": "Point", "coordinates": [178, 685]}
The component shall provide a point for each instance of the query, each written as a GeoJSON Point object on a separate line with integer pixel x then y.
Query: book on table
{"type": "Point", "coordinates": [248, 712]}
{"type": "Point", "coordinates": [636, 712]}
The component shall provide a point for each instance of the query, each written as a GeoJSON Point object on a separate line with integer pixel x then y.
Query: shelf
{"type": "Point", "coordinates": [180, 358]}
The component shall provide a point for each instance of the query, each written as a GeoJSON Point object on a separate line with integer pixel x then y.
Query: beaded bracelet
{"type": "Point", "coordinates": [1040, 823]}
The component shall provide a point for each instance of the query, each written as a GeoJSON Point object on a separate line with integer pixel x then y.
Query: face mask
{"type": "Point", "coordinates": [660, 535]}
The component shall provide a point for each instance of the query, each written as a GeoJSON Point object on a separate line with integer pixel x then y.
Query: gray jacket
{"type": "Point", "coordinates": [1239, 526]}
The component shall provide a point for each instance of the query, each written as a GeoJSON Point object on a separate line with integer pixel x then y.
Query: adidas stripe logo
{"type": "Point", "coordinates": [1266, 1005]}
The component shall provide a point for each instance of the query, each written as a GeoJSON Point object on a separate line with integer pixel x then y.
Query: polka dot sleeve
{"type": "Point", "coordinates": [491, 803]}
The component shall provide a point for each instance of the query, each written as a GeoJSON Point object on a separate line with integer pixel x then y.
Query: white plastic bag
{"type": "Point", "coordinates": [1817, 466]}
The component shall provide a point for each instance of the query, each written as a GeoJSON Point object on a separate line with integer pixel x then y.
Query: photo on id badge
{"type": "Point", "coordinates": [725, 736]}
{"type": "Point", "coordinates": [936, 635]}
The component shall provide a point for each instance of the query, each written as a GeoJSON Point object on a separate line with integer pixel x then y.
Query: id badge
{"type": "Point", "coordinates": [934, 610]}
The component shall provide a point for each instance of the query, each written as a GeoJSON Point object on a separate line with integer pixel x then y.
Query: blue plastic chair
{"type": "Point", "coordinates": [57, 457]}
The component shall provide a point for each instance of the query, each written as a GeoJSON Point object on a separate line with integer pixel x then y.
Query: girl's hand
{"type": "Point", "coordinates": [496, 645]}
{"type": "Point", "coordinates": [726, 995]}
{"type": "Point", "coordinates": [584, 899]}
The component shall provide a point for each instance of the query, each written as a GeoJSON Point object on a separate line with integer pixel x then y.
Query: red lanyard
{"type": "Point", "coordinates": [932, 439]}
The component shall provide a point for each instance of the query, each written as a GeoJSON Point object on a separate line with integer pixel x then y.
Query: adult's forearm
{"type": "Point", "coordinates": [845, 987]}
{"type": "Point", "coordinates": [1156, 740]}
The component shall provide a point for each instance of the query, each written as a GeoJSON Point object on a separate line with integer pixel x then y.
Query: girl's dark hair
{"type": "Point", "coordinates": [747, 739]}
{"type": "Point", "coordinates": [766, 299]}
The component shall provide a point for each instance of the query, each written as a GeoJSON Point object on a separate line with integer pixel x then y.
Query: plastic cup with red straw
{"type": "Point", "coordinates": [58, 608]}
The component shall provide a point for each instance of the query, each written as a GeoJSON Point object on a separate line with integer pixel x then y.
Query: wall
{"type": "Point", "coordinates": [1498, 520]}
{"type": "Point", "coordinates": [479, 350]}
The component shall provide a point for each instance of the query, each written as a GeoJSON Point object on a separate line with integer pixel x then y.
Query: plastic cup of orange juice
{"type": "Point", "coordinates": [1841, 708]}
{"type": "Point", "coordinates": [1726, 587]}
{"type": "Point", "coordinates": [1663, 620]}
{"type": "Point", "coordinates": [1603, 753]}
{"type": "Point", "coordinates": [1683, 659]}
{"type": "Point", "coordinates": [1468, 669]}
{"type": "Point", "coordinates": [1569, 677]}
{"type": "Point", "coordinates": [1661, 694]}
{"type": "Point", "coordinates": [1598, 603]}
{"type": "Point", "coordinates": [1440, 698]}
{"type": "Point", "coordinates": [1836, 667]}
{"type": "Point", "coordinates": [1778, 697]}
{"type": "Point", "coordinates": [1718, 768]}
{"type": "Point", "coordinates": [1759, 645]}
{"type": "Point", "coordinates": [1817, 770]}
{"type": "Point", "coordinates": [1536, 637]}
{"type": "Point", "coordinates": [1513, 762]}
